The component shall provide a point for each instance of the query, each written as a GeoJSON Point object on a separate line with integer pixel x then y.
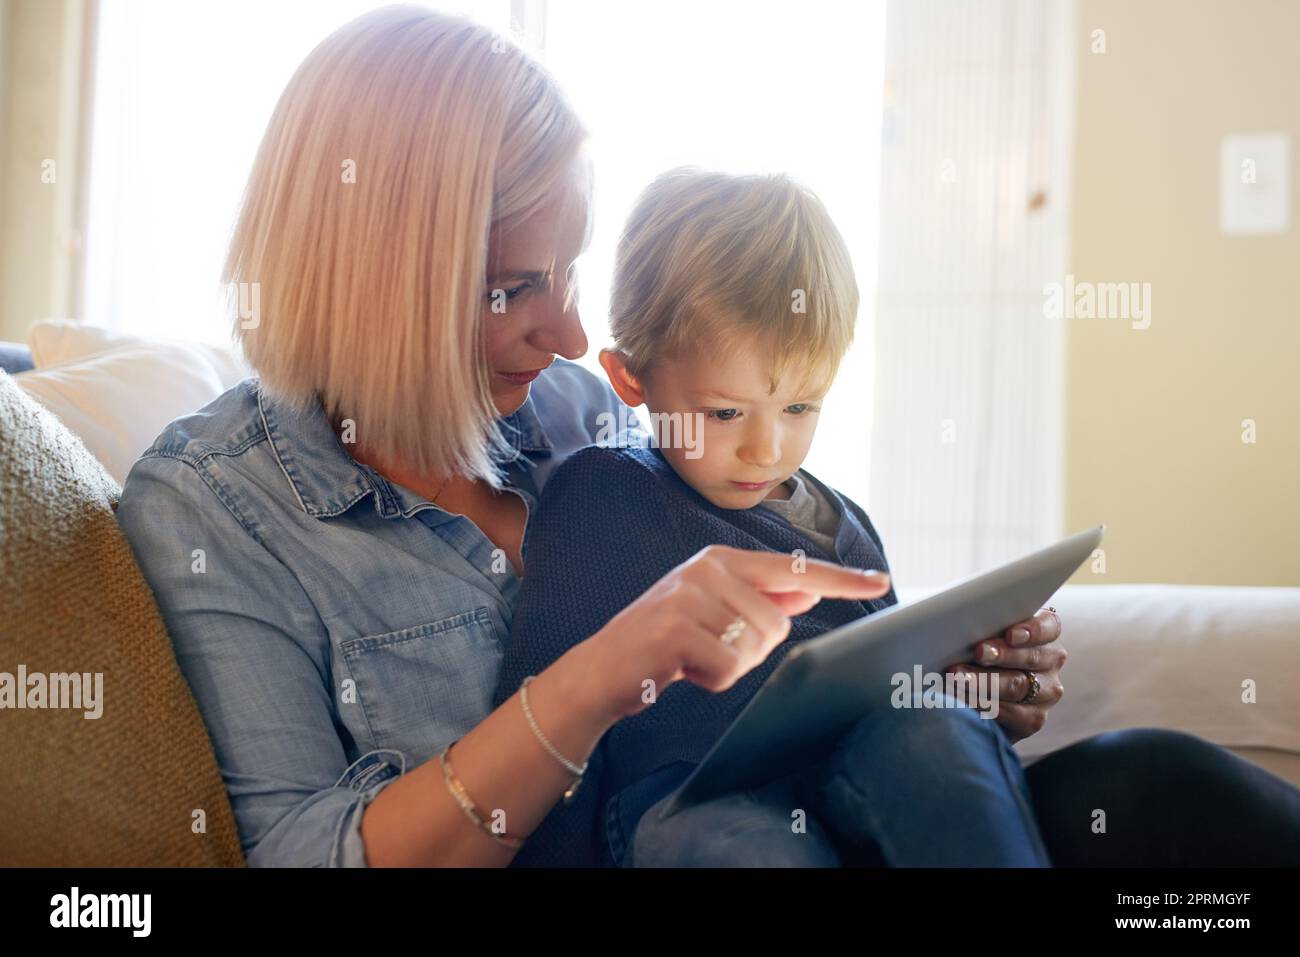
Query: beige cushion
{"type": "Point", "coordinates": [126, 788]}
{"type": "Point", "coordinates": [58, 341]}
{"type": "Point", "coordinates": [117, 402]}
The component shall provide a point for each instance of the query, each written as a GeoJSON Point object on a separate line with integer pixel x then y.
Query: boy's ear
{"type": "Point", "coordinates": [626, 385]}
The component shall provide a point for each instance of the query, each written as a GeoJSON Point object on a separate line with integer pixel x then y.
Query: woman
{"type": "Point", "coordinates": [406, 243]}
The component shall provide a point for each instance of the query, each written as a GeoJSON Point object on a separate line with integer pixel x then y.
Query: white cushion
{"type": "Point", "coordinates": [1175, 656]}
{"type": "Point", "coordinates": [118, 401]}
{"type": "Point", "coordinates": [56, 341]}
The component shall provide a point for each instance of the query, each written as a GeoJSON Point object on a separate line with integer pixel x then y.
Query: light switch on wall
{"type": "Point", "coordinates": [1255, 184]}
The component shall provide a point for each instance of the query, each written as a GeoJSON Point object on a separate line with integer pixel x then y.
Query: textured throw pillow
{"type": "Point", "coordinates": [106, 759]}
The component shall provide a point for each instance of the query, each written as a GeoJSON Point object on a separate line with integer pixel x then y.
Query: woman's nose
{"type": "Point", "coordinates": [561, 333]}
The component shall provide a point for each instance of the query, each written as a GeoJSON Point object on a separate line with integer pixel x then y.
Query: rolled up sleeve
{"type": "Point", "coordinates": [256, 656]}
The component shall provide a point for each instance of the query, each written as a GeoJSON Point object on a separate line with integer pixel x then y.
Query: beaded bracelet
{"type": "Point", "coordinates": [577, 770]}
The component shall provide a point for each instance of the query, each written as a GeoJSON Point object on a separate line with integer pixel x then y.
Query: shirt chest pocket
{"type": "Point", "coordinates": [418, 689]}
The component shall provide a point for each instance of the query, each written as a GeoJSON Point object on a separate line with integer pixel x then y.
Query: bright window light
{"type": "Point", "coordinates": [742, 87]}
{"type": "Point", "coordinates": [184, 92]}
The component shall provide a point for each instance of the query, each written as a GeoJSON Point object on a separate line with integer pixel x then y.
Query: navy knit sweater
{"type": "Point", "coordinates": [611, 523]}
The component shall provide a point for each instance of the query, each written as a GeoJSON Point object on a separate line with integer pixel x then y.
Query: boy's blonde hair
{"type": "Point", "coordinates": [399, 143]}
{"type": "Point", "coordinates": [709, 259]}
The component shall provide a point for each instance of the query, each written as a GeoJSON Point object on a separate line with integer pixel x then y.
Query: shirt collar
{"type": "Point", "coordinates": [523, 430]}
{"type": "Point", "coordinates": [327, 481]}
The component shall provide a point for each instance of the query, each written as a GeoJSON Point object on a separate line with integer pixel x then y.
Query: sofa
{"type": "Point", "coordinates": [107, 761]}
{"type": "Point", "coordinates": [139, 784]}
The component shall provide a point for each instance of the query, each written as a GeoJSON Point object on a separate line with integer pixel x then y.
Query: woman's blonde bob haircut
{"type": "Point", "coordinates": [397, 146]}
{"type": "Point", "coordinates": [710, 259]}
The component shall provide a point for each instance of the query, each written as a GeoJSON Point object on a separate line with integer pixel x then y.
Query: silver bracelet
{"type": "Point", "coordinates": [569, 765]}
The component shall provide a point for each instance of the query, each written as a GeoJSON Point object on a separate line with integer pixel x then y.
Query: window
{"type": "Point", "coordinates": [742, 87]}
{"type": "Point", "coordinates": [184, 92]}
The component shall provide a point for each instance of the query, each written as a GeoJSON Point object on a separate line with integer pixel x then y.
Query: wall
{"type": "Point", "coordinates": [1153, 434]}
{"type": "Point", "coordinates": [42, 85]}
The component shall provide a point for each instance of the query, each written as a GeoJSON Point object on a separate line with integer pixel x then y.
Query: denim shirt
{"type": "Point", "coordinates": [336, 629]}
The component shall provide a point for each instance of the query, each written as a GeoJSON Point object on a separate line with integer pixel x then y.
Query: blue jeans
{"type": "Point", "coordinates": [903, 787]}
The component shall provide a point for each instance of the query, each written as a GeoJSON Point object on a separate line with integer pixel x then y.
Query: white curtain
{"type": "Point", "coordinates": [966, 448]}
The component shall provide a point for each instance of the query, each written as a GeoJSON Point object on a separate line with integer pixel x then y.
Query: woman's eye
{"type": "Point", "coordinates": [498, 296]}
{"type": "Point", "coordinates": [722, 415]}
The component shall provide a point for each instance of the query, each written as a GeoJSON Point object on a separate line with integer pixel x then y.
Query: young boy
{"type": "Point", "coordinates": [734, 301]}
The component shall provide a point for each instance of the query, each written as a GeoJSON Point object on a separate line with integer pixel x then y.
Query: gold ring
{"type": "Point", "coordinates": [1034, 688]}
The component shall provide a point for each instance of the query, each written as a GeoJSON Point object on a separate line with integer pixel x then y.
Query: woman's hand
{"type": "Point", "coordinates": [1025, 647]}
{"type": "Point", "coordinates": [673, 630]}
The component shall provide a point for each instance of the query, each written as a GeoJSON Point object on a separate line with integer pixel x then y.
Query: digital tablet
{"type": "Point", "coordinates": [827, 683]}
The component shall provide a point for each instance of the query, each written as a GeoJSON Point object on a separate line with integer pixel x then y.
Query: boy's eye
{"type": "Point", "coordinates": [799, 408]}
{"type": "Point", "coordinates": [722, 415]}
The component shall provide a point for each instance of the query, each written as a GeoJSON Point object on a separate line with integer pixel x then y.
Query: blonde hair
{"type": "Point", "coordinates": [708, 258]}
{"type": "Point", "coordinates": [400, 142]}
